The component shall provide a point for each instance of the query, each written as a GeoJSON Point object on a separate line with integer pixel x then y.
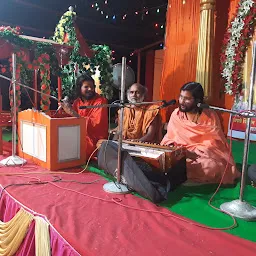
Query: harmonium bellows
{"type": "Point", "coordinates": [161, 157]}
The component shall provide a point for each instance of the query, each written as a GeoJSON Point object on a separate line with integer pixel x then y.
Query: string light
{"type": "Point", "coordinates": [145, 10]}
{"type": "Point", "coordinates": [184, 1]}
{"type": "Point", "coordinates": [114, 57]}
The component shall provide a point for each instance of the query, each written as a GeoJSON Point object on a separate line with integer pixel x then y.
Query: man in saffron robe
{"type": "Point", "coordinates": [141, 122]}
{"type": "Point", "coordinates": [97, 118]}
{"type": "Point", "coordinates": [200, 132]}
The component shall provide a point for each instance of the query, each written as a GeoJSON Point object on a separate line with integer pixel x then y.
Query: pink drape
{"type": "Point", "coordinates": [8, 209]}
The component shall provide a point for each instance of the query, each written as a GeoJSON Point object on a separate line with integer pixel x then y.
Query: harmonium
{"type": "Point", "coordinates": [52, 140]}
{"type": "Point", "coordinates": [163, 158]}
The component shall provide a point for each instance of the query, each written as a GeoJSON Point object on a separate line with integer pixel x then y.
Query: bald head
{"type": "Point", "coordinates": [136, 93]}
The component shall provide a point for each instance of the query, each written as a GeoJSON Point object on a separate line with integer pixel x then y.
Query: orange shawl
{"type": "Point", "coordinates": [97, 121]}
{"type": "Point", "coordinates": [137, 121]}
{"type": "Point", "coordinates": [207, 140]}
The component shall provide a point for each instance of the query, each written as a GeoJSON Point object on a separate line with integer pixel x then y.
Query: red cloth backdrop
{"type": "Point", "coordinates": [180, 57]}
{"type": "Point", "coordinates": [149, 74]}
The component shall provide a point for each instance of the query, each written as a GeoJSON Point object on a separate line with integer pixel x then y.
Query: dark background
{"type": "Point", "coordinates": [39, 18]}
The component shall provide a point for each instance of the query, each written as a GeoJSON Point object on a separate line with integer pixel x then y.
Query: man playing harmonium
{"type": "Point", "coordinates": [200, 132]}
{"type": "Point", "coordinates": [141, 122]}
{"type": "Point", "coordinates": [97, 118]}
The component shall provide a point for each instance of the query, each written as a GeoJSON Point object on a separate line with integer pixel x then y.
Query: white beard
{"type": "Point", "coordinates": [141, 99]}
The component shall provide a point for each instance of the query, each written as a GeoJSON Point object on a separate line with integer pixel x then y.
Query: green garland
{"type": "Point", "coordinates": [65, 33]}
{"type": "Point", "coordinates": [44, 59]}
{"type": "Point", "coordinates": [64, 27]}
{"type": "Point", "coordinates": [39, 48]}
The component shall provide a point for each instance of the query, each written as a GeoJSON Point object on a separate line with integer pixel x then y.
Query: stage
{"type": "Point", "coordinates": [84, 220]}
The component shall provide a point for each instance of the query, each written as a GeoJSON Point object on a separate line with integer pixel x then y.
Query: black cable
{"type": "Point", "coordinates": [55, 179]}
{"type": "Point", "coordinates": [26, 184]}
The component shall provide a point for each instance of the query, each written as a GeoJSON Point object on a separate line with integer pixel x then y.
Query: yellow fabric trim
{"type": "Point", "coordinates": [205, 46]}
{"type": "Point", "coordinates": [42, 237]}
{"type": "Point", "coordinates": [13, 232]}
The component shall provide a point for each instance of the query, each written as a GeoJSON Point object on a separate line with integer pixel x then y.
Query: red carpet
{"type": "Point", "coordinates": [91, 221]}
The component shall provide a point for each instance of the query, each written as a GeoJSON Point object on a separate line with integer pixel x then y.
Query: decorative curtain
{"type": "Point", "coordinates": [248, 70]}
{"type": "Point", "coordinates": [181, 43]}
{"type": "Point", "coordinates": [13, 232]}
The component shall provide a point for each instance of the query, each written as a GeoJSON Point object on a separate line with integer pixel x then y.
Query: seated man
{"type": "Point", "coordinates": [141, 122]}
{"type": "Point", "coordinates": [97, 118]}
{"type": "Point", "coordinates": [200, 132]}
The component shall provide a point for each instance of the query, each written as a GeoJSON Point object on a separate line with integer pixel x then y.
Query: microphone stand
{"type": "Point", "coordinates": [13, 159]}
{"type": "Point", "coordinates": [246, 114]}
{"type": "Point", "coordinates": [239, 208]}
{"type": "Point", "coordinates": [119, 105]}
{"type": "Point", "coordinates": [117, 187]}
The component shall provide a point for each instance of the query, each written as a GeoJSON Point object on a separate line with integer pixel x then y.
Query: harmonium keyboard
{"type": "Point", "coordinates": [161, 157]}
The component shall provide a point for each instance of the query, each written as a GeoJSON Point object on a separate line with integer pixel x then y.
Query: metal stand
{"type": "Point", "coordinates": [117, 187]}
{"type": "Point", "coordinates": [239, 208]}
{"type": "Point", "coordinates": [13, 159]}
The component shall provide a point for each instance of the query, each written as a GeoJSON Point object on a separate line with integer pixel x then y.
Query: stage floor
{"type": "Point", "coordinates": [97, 223]}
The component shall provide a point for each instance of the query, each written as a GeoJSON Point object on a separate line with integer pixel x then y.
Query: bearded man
{"type": "Point", "coordinates": [200, 132]}
{"type": "Point", "coordinates": [97, 118]}
{"type": "Point", "coordinates": [141, 122]}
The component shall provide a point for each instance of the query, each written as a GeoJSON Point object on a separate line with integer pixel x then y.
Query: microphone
{"type": "Point", "coordinates": [99, 106]}
{"type": "Point", "coordinates": [168, 103]}
{"type": "Point", "coordinates": [201, 105]}
{"type": "Point", "coordinates": [65, 100]}
{"type": "Point", "coordinates": [244, 114]}
{"type": "Point", "coordinates": [83, 107]}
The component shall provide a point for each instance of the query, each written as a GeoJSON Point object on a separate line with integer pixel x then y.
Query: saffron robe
{"type": "Point", "coordinates": [96, 121]}
{"type": "Point", "coordinates": [208, 141]}
{"type": "Point", "coordinates": [137, 121]}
